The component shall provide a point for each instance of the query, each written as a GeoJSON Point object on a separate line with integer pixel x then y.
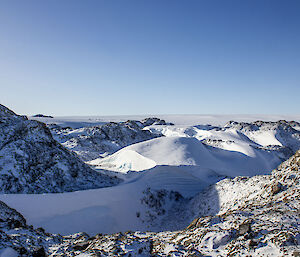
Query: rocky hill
{"type": "Point", "coordinates": [91, 142]}
{"type": "Point", "coordinates": [287, 133]}
{"type": "Point", "coordinates": [31, 161]}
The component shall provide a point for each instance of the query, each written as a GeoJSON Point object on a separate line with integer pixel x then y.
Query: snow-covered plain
{"type": "Point", "coordinates": [190, 157]}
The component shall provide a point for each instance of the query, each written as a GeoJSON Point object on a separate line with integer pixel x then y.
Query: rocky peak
{"type": "Point", "coordinates": [31, 161]}
{"type": "Point", "coordinates": [263, 125]}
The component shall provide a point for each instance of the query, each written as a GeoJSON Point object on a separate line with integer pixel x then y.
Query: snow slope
{"type": "Point", "coordinates": [104, 210]}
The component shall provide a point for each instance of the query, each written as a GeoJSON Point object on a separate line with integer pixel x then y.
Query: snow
{"type": "Point", "coordinates": [8, 252]}
{"type": "Point", "coordinates": [237, 158]}
{"type": "Point", "coordinates": [265, 138]}
{"type": "Point", "coordinates": [123, 161]}
{"type": "Point", "coordinates": [100, 211]}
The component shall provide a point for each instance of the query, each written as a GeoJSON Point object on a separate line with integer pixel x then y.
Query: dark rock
{"type": "Point", "coordinates": [10, 217]}
{"type": "Point", "coordinates": [42, 116]}
{"type": "Point", "coordinates": [40, 230]}
{"type": "Point", "coordinates": [249, 235]}
{"type": "Point", "coordinates": [14, 224]}
{"type": "Point", "coordinates": [244, 228]}
{"type": "Point", "coordinates": [39, 252]}
{"type": "Point", "coordinates": [296, 254]}
{"type": "Point", "coordinates": [22, 250]}
{"type": "Point", "coordinates": [253, 243]}
{"type": "Point", "coordinates": [81, 246]}
{"type": "Point", "coordinates": [276, 188]}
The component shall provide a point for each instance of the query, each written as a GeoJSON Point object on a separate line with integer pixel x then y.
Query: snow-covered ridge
{"type": "Point", "coordinates": [282, 133]}
{"type": "Point", "coordinates": [94, 141]}
{"type": "Point", "coordinates": [31, 161]}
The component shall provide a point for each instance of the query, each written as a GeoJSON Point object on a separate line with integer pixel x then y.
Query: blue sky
{"type": "Point", "coordinates": [64, 57]}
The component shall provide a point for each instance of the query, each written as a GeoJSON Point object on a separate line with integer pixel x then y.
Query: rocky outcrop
{"type": "Point", "coordinates": [155, 121]}
{"type": "Point", "coordinates": [286, 132]}
{"type": "Point", "coordinates": [10, 218]}
{"type": "Point", "coordinates": [19, 239]}
{"type": "Point", "coordinates": [42, 116]}
{"type": "Point", "coordinates": [31, 161]}
{"type": "Point", "coordinates": [92, 142]}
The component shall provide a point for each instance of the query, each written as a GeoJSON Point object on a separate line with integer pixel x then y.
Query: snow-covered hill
{"type": "Point", "coordinates": [31, 161]}
{"type": "Point", "coordinates": [280, 133]}
{"type": "Point", "coordinates": [235, 149]}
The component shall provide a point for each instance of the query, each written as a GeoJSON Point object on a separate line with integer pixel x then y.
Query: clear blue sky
{"type": "Point", "coordinates": [68, 57]}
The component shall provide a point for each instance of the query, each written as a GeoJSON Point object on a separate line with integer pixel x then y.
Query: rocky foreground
{"type": "Point", "coordinates": [262, 220]}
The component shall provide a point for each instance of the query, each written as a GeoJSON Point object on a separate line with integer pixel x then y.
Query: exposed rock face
{"type": "Point", "coordinates": [31, 161]}
{"type": "Point", "coordinates": [155, 121]}
{"type": "Point", "coordinates": [92, 142]}
{"type": "Point", "coordinates": [10, 218]}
